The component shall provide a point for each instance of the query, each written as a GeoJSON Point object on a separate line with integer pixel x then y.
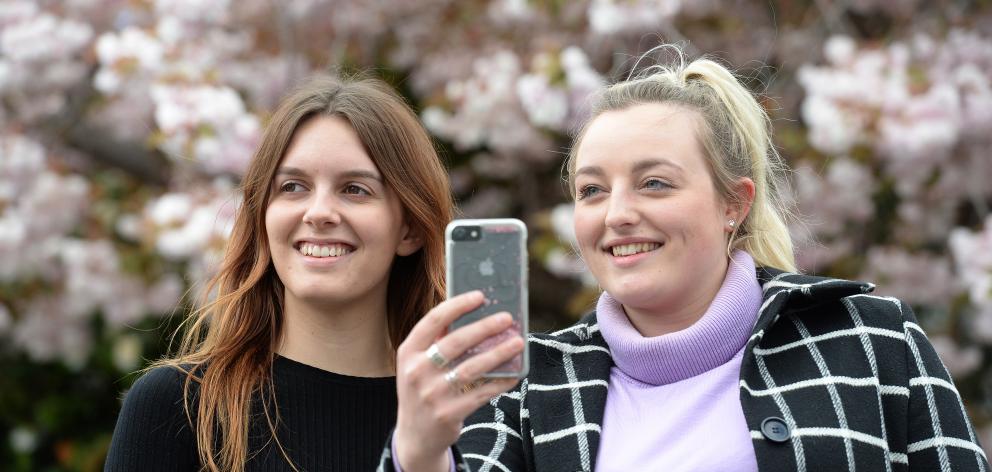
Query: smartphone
{"type": "Point", "coordinates": [490, 255]}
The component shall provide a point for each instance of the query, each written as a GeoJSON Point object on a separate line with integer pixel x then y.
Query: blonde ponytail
{"type": "Point", "coordinates": [736, 134]}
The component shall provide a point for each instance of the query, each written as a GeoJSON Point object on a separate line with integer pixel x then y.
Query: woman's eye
{"type": "Point", "coordinates": [656, 184]}
{"type": "Point", "coordinates": [353, 189]}
{"type": "Point", "coordinates": [588, 191]}
{"type": "Point", "coordinates": [291, 187]}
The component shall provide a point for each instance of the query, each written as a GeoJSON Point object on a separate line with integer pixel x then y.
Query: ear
{"type": "Point", "coordinates": [740, 206]}
{"type": "Point", "coordinates": [410, 243]}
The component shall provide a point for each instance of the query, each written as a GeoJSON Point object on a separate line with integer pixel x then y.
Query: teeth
{"type": "Point", "coordinates": [316, 250]}
{"type": "Point", "coordinates": [631, 249]}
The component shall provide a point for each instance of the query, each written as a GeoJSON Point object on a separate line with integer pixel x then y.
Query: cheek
{"type": "Point", "coordinates": [587, 227]}
{"type": "Point", "coordinates": [378, 223]}
{"type": "Point", "coordinates": [271, 225]}
{"type": "Point", "coordinates": [278, 226]}
{"type": "Point", "coordinates": [582, 225]}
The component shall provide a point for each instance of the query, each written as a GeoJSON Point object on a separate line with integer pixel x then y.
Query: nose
{"type": "Point", "coordinates": [322, 210]}
{"type": "Point", "coordinates": [620, 210]}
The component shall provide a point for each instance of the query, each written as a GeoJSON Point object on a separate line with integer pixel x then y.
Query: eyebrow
{"type": "Point", "coordinates": [639, 166]}
{"type": "Point", "coordinates": [352, 174]}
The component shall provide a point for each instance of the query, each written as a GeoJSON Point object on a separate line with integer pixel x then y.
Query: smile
{"type": "Point", "coordinates": [324, 250]}
{"type": "Point", "coordinates": [621, 250]}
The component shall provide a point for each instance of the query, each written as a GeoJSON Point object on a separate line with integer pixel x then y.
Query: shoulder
{"type": "Point", "coordinates": [160, 394]}
{"type": "Point", "coordinates": [808, 288]}
{"type": "Point", "coordinates": [161, 377]}
{"type": "Point", "coordinates": [153, 429]}
{"type": "Point", "coordinates": [160, 382]}
{"type": "Point", "coordinates": [831, 307]}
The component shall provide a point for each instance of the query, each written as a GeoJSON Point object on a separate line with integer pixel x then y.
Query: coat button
{"type": "Point", "coordinates": [775, 429]}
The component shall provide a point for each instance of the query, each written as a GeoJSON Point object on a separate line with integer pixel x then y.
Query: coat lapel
{"type": "Point", "coordinates": [786, 291]}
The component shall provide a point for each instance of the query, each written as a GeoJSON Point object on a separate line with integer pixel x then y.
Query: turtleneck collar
{"type": "Point", "coordinates": [712, 341]}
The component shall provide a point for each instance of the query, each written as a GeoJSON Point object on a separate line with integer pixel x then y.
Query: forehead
{"type": "Point", "coordinates": [646, 131]}
{"type": "Point", "coordinates": [327, 142]}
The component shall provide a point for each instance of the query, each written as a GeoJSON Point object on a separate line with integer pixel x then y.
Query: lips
{"type": "Point", "coordinates": [630, 249]}
{"type": "Point", "coordinates": [323, 248]}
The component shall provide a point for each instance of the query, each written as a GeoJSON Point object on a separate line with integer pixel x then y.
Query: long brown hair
{"type": "Point", "coordinates": [228, 345]}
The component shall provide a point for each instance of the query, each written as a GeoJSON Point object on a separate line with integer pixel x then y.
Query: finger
{"type": "Point", "coordinates": [433, 324]}
{"type": "Point", "coordinates": [476, 366]}
{"type": "Point", "coordinates": [449, 383]}
{"type": "Point", "coordinates": [466, 403]}
{"type": "Point", "coordinates": [455, 343]}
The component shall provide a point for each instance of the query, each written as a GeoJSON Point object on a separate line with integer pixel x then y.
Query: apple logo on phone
{"type": "Point", "coordinates": [486, 267]}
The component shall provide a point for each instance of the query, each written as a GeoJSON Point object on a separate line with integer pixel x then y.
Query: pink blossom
{"type": "Point", "coordinates": [44, 37]}
{"type": "Point", "coordinates": [207, 125]}
{"type": "Point", "coordinates": [866, 96]}
{"type": "Point", "coordinates": [546, 106]}
{"type": "Point", "coordinates": [972, 253]}
{"type": "Point", "coordinates": [21, 159]}
{"type": "Point", "coordinates": [45, 334]}
{"type": "Point", "coordinates": [849, 186]}
{"type": "Point", "coordinates": [610, 16]}
{"type": "Point", "coordinates": [117, 53]}
{"type": "Point", "coordinates": [209, 11]}
{"type": "Point", "coordinates": [40, 59]}
{"type": "Point", "coordinates": [918, 279]}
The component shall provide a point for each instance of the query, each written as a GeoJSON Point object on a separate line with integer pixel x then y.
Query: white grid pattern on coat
{"type": "Point", "coordinates": [797, 446]}
{"type": "Point", "coordinates": [821, 365]}
{"type": "Point", "coordinates": [873, 364]}
{"type": "Point", "coordinates": [925, 380]}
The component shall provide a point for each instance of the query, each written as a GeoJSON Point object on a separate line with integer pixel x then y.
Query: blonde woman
{"type": "Point", "coordinates": [707, 351]}
{"type": "Point", "coordinates": [337, 251]}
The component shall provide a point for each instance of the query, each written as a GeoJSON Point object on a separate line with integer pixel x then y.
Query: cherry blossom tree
{"type": "Point", "coordinates": [125, 126]}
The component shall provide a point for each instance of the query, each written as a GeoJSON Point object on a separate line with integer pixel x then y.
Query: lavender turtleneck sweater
{"type": "Point", "coordinates": [673, 401]}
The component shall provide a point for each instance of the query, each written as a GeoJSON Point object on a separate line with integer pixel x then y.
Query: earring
{"type": "Point", "coordinates": [731, 223]}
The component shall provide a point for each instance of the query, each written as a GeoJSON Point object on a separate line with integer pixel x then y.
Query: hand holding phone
{"type": "Point", "coordinates": [435, 397]}
{"type": "Point", "coordinates": [490, 255]}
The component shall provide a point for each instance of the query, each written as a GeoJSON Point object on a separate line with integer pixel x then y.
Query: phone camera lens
{"type": "Point", "coordinates": [466, 233]}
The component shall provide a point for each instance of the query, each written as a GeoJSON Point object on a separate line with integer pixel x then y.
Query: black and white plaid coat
{"type": "Point", "coordinates": [852, 377]}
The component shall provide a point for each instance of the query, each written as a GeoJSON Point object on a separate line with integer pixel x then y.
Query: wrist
{"type": "Point", "coordinates": [410, 456]}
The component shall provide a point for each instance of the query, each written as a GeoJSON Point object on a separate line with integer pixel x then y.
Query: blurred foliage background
{"type": "Point", "coordinates": [125, 125]}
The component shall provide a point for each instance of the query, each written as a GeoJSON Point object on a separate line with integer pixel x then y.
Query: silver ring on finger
{"type": "Point", "coordinates": [434, 354]}
{"type": "Point", "coordinates": [453, 381]}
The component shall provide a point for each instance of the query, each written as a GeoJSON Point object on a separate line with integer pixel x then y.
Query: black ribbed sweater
{"type": "Point", "coordinates": [328, 422]}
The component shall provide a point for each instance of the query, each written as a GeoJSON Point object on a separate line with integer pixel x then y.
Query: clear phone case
{"type": "Point", "coordinates": [490, 255]}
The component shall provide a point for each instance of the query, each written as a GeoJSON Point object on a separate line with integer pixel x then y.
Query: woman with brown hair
{"type": "Point", "coordinates": [337, 251]}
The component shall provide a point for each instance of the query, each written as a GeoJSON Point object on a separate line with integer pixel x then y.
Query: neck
{"type": "Point", "coordinates": [679, 315]}
{"type": "Point", "coordinates": [349, 339]}
{"type": "Point", "coordinates": [719, 334]}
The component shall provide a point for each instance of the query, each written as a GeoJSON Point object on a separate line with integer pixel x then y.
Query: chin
{"type": "Point", "coordinates": [634, 294]}
{"type": "Point", "coordinates": [313, 293]}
